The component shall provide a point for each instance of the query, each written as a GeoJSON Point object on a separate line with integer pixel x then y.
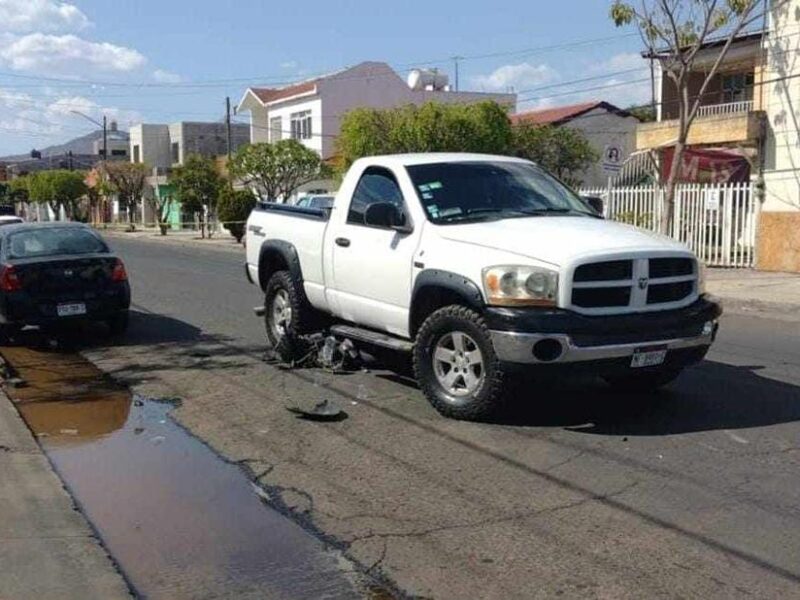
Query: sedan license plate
{"type": "Point", "coordinates": [648, 357]}
{"type": "Point", "coordinates": [70, 310]}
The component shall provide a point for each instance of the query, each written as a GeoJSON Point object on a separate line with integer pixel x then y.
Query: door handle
{"type": "Point", "coordinates": [343, 242]}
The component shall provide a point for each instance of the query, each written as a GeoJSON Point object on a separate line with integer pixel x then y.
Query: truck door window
{"type": "Point", "coordinates": [376, 185]}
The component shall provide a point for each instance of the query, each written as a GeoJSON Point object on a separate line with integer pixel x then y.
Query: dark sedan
{"type": "Point", "coordinates": [57, 273]}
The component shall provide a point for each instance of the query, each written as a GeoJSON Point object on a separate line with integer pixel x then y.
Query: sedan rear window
{"type": "Point", "coordinates": [53, 241]}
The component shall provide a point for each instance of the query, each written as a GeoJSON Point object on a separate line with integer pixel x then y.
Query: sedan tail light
{"type": "Point", "coordinates": [9, 280]}
{"type": "Point", "coordinates": [119, 273]}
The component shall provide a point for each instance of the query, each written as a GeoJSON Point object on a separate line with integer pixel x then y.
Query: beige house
{"type": "Point", "coordinates": [748, 128]}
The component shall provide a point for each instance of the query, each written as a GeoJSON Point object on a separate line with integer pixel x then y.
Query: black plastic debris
{"type": "Point", "coordinates": [322, 411]}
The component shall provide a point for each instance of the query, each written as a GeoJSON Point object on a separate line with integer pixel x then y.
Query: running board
{"type": "Point", "coordinates": [372, 337]}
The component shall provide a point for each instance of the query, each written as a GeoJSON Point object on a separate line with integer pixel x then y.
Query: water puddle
{"type": "Point", "coordinates": [179, 521]}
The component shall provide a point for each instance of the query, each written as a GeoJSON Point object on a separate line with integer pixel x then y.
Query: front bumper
{"type": "Point", "coordinates": [574, 338]}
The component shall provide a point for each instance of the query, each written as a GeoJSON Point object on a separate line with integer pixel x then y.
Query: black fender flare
{"type": "Point", "coordinates": [452, 283]}
{"type": "Point", "coordinates": [273, 254]}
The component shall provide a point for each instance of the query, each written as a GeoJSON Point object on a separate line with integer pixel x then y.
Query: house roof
{"type": "Point", "coordinates": [563, 114]}
{"type": "Point", "coordinates": [267, 95]}
{"type": "Point", "coordinates": [749, 36]}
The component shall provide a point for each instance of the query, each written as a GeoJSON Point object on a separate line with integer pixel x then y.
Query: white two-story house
{"type": "Point", "coordinates": [311, 111]}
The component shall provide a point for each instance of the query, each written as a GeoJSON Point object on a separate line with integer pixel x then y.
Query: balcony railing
{"type": "Point", "coordinates": [725, 109]}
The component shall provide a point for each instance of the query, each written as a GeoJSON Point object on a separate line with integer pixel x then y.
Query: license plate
{"type": "Point", "coordinates": [70, 310]}
{"type": "Point", "coordinates": [648, 357]}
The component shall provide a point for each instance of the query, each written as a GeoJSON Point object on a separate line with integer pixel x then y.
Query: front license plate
{"type": "Point", "coordinates": [648, 357]}
{"type": "Point", "coordinates": [70, 310]}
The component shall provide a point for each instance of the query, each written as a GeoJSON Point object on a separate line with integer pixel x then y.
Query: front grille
{"type": "Point", "coordinates": [671, 267]}
{"type": "Point", "coordinates": [669, 292]}
{"type": "Point", "coordinates": [633, 284]}
{"type": "Point", "coordinates": [604, 271]}
{"type": "Point", "coordinates": [597, 297]}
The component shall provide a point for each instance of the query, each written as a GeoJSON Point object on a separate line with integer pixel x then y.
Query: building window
{"type": "Point", "coordinates": [121, 152]}
{"type": "Point", "coordinates": [275, 129]}
{"type": "Point", "coordinates": [176, 152]}
{"type": "Point", "coordinates": [301, 125]}
{"type": "Point", "coordinates": [136, 153]}
{"type": "Point", "coordinates": [737, 87]}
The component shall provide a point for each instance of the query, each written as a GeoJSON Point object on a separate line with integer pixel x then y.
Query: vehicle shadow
{"type": "Point", "coordinates": [710, 396]}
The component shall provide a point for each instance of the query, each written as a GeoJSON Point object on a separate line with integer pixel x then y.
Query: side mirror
{"type": "Point", "coordinates": [595, 203]}
{"type": "Point", "coordinates": [388, 216]}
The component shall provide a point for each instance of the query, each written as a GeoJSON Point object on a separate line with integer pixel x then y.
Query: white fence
{"type": "Point", "coordinates": [718, 222]}
{"type": "Point", "coordinates": [729, 108]}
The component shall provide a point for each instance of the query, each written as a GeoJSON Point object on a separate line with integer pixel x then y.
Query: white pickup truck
{"type": "Point", "coordinates": [480, 266]}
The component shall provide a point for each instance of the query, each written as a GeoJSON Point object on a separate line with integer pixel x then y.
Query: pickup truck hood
{"type": "Point", "coordinates": [557, 240]}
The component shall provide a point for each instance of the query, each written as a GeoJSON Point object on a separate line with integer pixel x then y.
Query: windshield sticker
{"type": "Point", "coordinates": [435, 185]}
{"type": "Point", "coordinates": [449, 212]}
{"type": "Point", "coordinates": [434, 211]}
{"type": "Point", "coordinates": [427, 196]}
{"type": "Point", "coordinates": [424, 187]}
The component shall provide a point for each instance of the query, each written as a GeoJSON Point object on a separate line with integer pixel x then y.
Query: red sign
{"type": "Point", "coordinates": [705, 165]}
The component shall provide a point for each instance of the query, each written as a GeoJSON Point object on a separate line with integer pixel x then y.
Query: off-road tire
{"type": "Point", "coordinates": [638, 383]}
{"type": "Point", "coordinates": [290, 347]}
{"type": "Point", "coordinates": [488, 398]}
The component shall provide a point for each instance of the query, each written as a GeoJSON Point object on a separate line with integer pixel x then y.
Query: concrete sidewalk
{"type": "Point", "coordinates": [47, 549]}
{"type": "Point", "coordinates": [756, 292]}
{"type": "Point", "coordinates": [222, 240]}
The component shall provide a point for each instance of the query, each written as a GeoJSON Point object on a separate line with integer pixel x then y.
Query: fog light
{"type": "Point", "coordinates": [708, 328]}
{"type": "Point", "coordinates": [547, 350]}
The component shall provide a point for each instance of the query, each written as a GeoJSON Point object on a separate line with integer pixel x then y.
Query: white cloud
{"type": "Point", "coordinates": [23, 16]}
{"type": "Point", "coordinates": [68, 55]}
{"type": "Point", "coordinates": [162, 76]}
{"type": "Point", "coordinates": [514, 77]}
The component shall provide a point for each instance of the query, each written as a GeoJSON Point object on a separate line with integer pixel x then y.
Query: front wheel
{"type": "Point", "coordinates": [648, 381]}
{"type": "Point", "coordinates": [456, 366]}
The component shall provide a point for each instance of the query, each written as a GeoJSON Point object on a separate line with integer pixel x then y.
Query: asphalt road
{"type": "Point", "coordinates": [693, 492]}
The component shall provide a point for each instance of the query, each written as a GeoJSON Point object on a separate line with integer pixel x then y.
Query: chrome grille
{"type": "Point", "coordinates": [633, 284]}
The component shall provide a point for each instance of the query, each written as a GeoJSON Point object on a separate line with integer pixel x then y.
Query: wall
{"type": "Point", "coordinates": [153, 141]}
{"type": "Point", "coordinates": [602, 128]}
{"type": "Point", "coordinates": [779, 242]}
{"type": "Point", "coordinates": [285, 110]}
{"type": "Point", "coordinates": [206, 139]}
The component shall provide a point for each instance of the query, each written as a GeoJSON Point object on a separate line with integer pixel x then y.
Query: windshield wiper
{"type": "Point", "coordinates": [553, 210]}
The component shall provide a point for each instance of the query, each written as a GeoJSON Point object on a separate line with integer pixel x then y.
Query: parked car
{"type": "Point", "coordinates": [315, 202]}
{"type": "Point", "coordinates": [479, 266]}
{"type": "Point", "coordinates": [10, 220]}
{"type": "Point", "coordinates": [55, 273]}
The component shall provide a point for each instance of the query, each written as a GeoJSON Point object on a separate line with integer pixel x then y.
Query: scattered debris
{"type": "Point", "coordinates": [158, 439]}
{"type": "Point", "coordinates": [16, 382]}
{"type": "Point", "coordinates": [138, 430]}
{"type": "Point", "coordinates": [322, 411]}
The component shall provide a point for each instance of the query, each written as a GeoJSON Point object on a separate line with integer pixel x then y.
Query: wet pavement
{"type": "Point", "coordinates": [179, 521]}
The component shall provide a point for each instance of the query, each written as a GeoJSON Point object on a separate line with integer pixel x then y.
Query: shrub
{"type": "Point", "coordinates": [234, 207]}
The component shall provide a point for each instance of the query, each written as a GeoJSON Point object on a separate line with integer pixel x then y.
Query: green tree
{"type": "Point", "coordinates": [234, 207]}
{"type": "Point", "coordinates": [563, 151]}
{"type": "Point", "coordinates": [644, 112]}
{"type": "Point", "coordinates": [197, 184]}
{"type": "Point", "coordinates": [274, 171]}
{"type": "Point", "coordinates": [431, 127]}
{"type": "Point", "coordinates": [127, 180]}
{"type": "Point", "coordinates": [59, 189]}
{"type": "Point", "coordinates": [19, 188]}
{"type": "Point", "coordinates": [674, 31]}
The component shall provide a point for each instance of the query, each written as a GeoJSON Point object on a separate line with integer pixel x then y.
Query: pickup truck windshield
{"type": "Point", "coordinates": [462, 191]}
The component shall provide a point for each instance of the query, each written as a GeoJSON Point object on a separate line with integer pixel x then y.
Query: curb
{"type": "Point", "coordinates": [760, 308]}
{"type": "Point", "coordinates": [173, 241]}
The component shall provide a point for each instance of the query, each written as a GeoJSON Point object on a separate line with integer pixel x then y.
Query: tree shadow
{"type": "Point", "coordinates": [710, 396]}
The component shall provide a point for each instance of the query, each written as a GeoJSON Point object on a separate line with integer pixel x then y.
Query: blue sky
{"type": "Point", "coordinates": [168, 60]}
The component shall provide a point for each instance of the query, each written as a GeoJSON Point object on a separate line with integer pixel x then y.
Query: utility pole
{"type": "Point", "coordinates": [105, 138]}
{"type": "Point", "coordinates": [228, 124]}
{"type": "Point", "coordinates": [456, 60]}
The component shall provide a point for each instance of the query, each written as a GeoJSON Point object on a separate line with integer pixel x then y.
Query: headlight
{"type": "Point", "coordinates": [701, 278]}
{"type": "Point", "coordinates": [520, 286]}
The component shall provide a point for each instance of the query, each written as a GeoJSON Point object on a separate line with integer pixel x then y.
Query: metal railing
{"type": "Point", "coordinates": [729, 108]}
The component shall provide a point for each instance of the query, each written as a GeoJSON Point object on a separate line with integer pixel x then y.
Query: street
{"type": "Point", "coordinates": [690, 493]}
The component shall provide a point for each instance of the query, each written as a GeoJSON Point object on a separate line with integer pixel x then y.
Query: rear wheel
{"type": "Point", "coordinates": [286, 316]}
{"type": "Point", "coordinates": [456, 366]}
{"type": "Point", "coordinates": [643, 382]}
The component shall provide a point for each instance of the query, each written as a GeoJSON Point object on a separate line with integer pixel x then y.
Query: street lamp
{"type": "Point", "coordinates": [101, 125]}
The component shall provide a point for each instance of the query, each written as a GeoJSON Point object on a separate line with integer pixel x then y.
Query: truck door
{"type": "Point", "coordinates": [372, 265]}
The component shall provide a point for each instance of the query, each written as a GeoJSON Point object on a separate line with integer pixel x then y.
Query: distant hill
{"type": "Point", "coordinates": [78, 145]}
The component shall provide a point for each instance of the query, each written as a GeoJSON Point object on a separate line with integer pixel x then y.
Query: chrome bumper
{"type": "Point", "coordinates": [518, 347]}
